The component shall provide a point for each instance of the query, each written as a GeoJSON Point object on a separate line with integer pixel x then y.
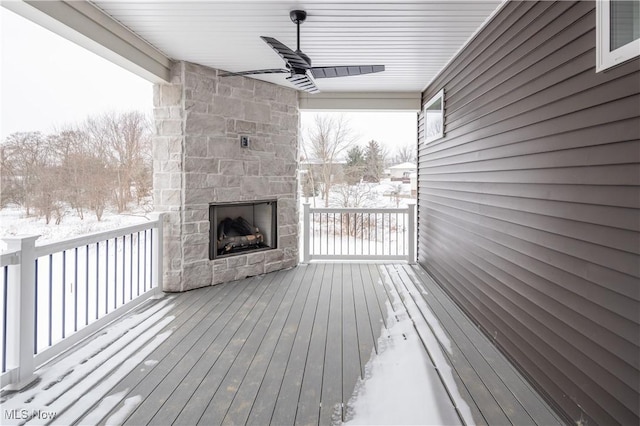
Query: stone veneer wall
{"type": "Point", "coordinates": [198, 160]}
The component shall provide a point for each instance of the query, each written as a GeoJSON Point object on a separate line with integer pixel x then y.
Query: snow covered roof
{"type": "Point", "coordinates": [404, 166]}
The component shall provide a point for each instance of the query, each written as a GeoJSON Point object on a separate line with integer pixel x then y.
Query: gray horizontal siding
{"type": "Point", "coordinates": [529, 207]}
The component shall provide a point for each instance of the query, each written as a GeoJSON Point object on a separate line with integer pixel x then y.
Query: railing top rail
{"type": "Point", "coordinates": [357, 210]}
{"type": "Point", "coordinates": [9, 258]}
{"type": "Point", "coordinates": [84, 240]}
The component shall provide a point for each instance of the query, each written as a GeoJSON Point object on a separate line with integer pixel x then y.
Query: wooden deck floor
{"type": "Point", "coordinates": [283, 348]}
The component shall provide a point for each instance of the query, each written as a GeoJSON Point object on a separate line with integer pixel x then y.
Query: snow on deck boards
{"type": "Point", "coordinates": [284, 348]}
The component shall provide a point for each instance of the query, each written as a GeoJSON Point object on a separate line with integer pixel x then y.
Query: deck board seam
{"type": "Point", "coordinates": [300, 271]}
{"type": "Point", "coordinates": [230, 298]}
{"type": "Point", "coordinates": [318, 336]}
{"type": "Point", "coordinates": [287, 302]}
{"type": "Point", "coordinates": [250, 287]}
{"type": "Point", "coordinates": [248, 340]}
{"type": "Point", "coordinates": [194, 301]}
{"type": "Point", "coordinates": [242, 317]}
{"type": "Point", "coordinates": [309, 343]}
{"type": "Point", "coordinates": [313, 270]}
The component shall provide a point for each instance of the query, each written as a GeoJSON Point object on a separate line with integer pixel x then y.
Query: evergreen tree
{"type": "Point", "coordinates": [374, 162]}
{"type": "Point", "coordinates": [354, 169]}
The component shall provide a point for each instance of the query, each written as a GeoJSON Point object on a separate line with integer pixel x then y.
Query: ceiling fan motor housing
{"type": "Point", "coordinates": [298, 16]}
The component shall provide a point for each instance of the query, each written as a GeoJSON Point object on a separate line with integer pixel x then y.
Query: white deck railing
{"type": "Point", "coordinates": [54, 295]}
{"type": "Point", "coordinates": [359, 233]}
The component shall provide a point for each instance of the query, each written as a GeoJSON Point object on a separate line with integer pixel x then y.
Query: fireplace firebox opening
{"type": "Point", "coordinates": [240, 228]}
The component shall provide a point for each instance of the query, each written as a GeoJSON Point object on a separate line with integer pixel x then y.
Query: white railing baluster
{"type": "Point", "coordinates": [393, 235]}
{"type": "Point", "coordinates": [306, 241]}
{"type": "Point", "coordinates": [20, 347]}
{"type": "Point", "coordinates": [411, 255]}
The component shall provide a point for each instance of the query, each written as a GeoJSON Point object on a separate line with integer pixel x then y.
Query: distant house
{"type": "Point", "coordinates": [402, 171]}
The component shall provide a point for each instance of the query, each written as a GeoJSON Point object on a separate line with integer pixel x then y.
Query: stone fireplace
{"type": "Point", "coordinates": [224, 144]}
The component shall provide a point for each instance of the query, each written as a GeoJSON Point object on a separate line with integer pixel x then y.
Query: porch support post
{"type": "Point", "coordinates": [306, 237]}
{"type": "Point", "coordinates": [411, 214]}
{"type": "Point", "coordinates": [158, 254]}
{"type": "Point", "coordinates": [21, 318]}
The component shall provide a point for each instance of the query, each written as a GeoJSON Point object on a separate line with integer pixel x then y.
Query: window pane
{"type": "Point", "coordinates": [624, 22]}
{"type": "Point", "coordinates": [436, 106]}
{"type": "Point", "coordinates": [434, 118]}
{"type": "Point", "coordinates": [433, 124]}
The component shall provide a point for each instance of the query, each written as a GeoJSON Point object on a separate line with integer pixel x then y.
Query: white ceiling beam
{"type": "Point", "coordinates": [89, 27]}
{"type": "Point", "coordinates": [360, 101]}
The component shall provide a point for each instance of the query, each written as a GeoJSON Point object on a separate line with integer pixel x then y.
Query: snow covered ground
{"type": "Point", "coordinates": [14, 221]}
{"type": "Point", "coordinates": [372, 195]}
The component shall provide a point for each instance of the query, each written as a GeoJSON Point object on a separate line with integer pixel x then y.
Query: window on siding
{"type": "Point", "coordinates": [617, 32]}
{"type": "Point", "coordinates": [434, 118]}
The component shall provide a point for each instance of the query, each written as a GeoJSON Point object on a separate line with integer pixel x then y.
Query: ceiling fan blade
{"type": "Point", "coordinates": [290, 57]}
{"type": "Point", "coordinates": [267, 71]}
{"type": "Point", "coordinates": [303, 82]}
{"type": "Point", "coordinates": [345, 71]}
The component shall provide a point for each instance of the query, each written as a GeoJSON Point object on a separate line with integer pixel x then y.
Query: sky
{"type": "Point", "coordinates": [48, 82]}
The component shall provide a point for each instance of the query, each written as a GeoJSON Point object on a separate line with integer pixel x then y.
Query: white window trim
{"type": "Point", "coordinates": [434, 99]}
{"type": "Point", "coordinates": [606, 58]}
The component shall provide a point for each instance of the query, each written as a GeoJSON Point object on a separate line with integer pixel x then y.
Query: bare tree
{"type": "Point", "coordinates": [308, 185]}
{"type": "Point", "coordinates": [121, 140]}
{"type": "Point", "coordinates": [9, 188]}
{"type": "Point", "coordinates": [25, 155]}
{"type": "Point", "coordinates": [396, 194]}
{"type": "Point", "coordinates": [72, 148]}
{"type": "Point", "coordinates": [47, 192]}
{"type": "Point", "coordinates": [327, 139]}
{"type": "Point", "coordinates": [359, 195]}
{"type": "Point", "coordinates": [405, 154]}
{"type": "Point", "coordinates": [84, 167]}
{"type": "Point", "coordinates": [99, 184]}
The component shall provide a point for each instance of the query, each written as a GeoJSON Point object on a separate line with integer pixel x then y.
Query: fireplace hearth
{"type": "Point", "coordinates": [239, 228]}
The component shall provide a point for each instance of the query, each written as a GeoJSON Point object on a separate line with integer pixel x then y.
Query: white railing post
{"type": "Point", "coordinates": [411, 255]}
{"type": "Point", "coordinates": [22, 290]}
{"type": "Point", "coordinates": [306, 236]}
{"type": "Point", "coordinates": [157, 257]}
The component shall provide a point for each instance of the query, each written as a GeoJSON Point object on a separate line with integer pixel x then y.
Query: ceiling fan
{"type": "Point", "coordinates": [298, 65]}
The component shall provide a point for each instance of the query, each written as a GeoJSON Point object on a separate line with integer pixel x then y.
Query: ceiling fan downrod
{"type": "Point", "coordinates": [298, 17]}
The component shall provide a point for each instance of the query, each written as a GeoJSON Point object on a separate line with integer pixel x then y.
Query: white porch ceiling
{"type": "Point", "coordinates": [413, 39]}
